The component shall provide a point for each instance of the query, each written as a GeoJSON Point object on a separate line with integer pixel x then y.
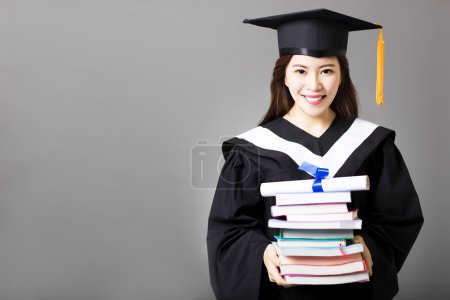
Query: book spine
{"type": "Point", "coordinates": [353, 224]}
{"type": "Point", "coordinates": [317, 233]}
{"type": "Point", "coordinates": [318, 261]}
{"type": "Point", "coordinates": [332, 279]}
{"type": "Point", "coordinates": [338, 184]}
{"type": "Point", "coordinates": [345, 268]}
{"type": "Point", "coordinates": [313, 198]}
{"type": "Point", "coordinates": [311, 251]}
{"type": "Point", "coordinates": [308, 209]}
{"type": "Point", "coordinates": [348, 216]}
{"type": "Point", "coordinates": [311, 243]}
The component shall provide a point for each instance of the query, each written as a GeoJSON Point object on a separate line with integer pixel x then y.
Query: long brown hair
{"type": "Point", "coordinates": [345, 103]}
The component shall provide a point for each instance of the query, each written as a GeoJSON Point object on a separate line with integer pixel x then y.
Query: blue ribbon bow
{"type": "Point", "coordinates": [318, 173]}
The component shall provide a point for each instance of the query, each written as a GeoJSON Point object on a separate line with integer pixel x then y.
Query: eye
{"type": "Point", "coordinates": [300, 71]}
{"type": "Point", "coordinates": [327, 71]}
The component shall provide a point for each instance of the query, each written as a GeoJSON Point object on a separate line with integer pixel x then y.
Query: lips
{"type": "Point", "coordinates": [314, 99]}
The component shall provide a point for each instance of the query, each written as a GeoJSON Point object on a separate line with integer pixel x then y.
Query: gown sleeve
{"type": "Point", "coordinates": [235, 238]}
{"type": "Point", "coordinates": [394, 218]}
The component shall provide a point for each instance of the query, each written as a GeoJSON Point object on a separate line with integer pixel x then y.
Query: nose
{"type": "Point", "coordinates": [314, 82]}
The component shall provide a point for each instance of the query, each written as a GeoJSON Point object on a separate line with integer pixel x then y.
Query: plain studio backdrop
{"type": "Point", "coordinates": [110, 117]}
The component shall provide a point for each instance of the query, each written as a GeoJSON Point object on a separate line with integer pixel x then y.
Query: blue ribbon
{"type": "Point", "coordinates": [318, 173]}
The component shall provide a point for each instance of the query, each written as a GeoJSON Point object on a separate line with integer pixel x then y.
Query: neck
{"type": "Point", "coordinates": [314, 125]}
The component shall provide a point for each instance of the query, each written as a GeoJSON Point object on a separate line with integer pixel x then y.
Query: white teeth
{"type": "Point", "coordinates": [315, 99]}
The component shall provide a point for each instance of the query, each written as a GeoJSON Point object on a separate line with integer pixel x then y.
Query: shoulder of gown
{"type": "Point", "coordinates": [235, 237]}
{"type": "Point", "coordinates": [393, 217]}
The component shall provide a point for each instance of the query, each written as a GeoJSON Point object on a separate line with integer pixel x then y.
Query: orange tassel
{"type": "Point", "coordinates": [380, 70]}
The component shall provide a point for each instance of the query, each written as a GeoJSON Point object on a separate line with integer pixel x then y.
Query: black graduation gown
{"type": "Point", "coordinates": [237, 227]}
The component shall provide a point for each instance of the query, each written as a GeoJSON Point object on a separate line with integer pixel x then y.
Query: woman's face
{"type": "Point", "coordinates": [313, 83]}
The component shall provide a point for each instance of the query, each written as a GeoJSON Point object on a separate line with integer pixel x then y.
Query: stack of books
{"type": "Point", "coordinates": [316, 230]}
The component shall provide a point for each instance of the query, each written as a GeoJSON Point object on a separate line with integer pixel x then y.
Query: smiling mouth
{"type": "Point", "coordinates": [314, 99]}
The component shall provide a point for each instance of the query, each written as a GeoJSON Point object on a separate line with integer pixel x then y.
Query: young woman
{"type": "Point", "coordinates": [313, 106]}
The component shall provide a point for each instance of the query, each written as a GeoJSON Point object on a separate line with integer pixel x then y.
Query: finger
{"type": "Point", "coordinates": [368, 265]}
{"type": "Point", "coordinates": [277, 250]}
{"type": "Point", "coordinates": [273, 255]}
{"type": "Point", "coordinates": [271, 251]}
{"type": "Point", "coordinates": [287, 285]}
{"type": "Point", "coordinates": [271, 268]}
{"type": "Point", "coordinates": [366, 254]}
{"type": "Point", "coordinates": [274, 274]}
{"type": "Point", "coordinates": [276, 261]}
{"type": "Point", "coordinates": [273, 271]}
{"type": "Point", "coordinates": [269, 255]}
{"type": "Point", "coordinates": [282, 282]}
{"type": "Point", "coordinates": [276, 278]}
{"type": "Point", "coordinates": [369, 269]}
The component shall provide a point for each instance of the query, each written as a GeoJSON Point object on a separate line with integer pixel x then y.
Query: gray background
{"type": "Point", "coordinates": [102, 104]}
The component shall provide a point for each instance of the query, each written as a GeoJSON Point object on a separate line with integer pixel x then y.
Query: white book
{"type": "Point", "coordinates": [318, 260]}
{"type": "Point", "coordinates": [278, 211]}
{"type": "Point", "coordinates": [324, 251]}
{"type": "Point", "coordinates": [336, 184]}
{"type": "Point", "coordinates": [346, 216]}
{"type": "Point", "coordinates": [345, 268]}
{"type": "Point", "coordinates": [311, 198]}
{"type": "Point", "coordinates": [282, 242]}
{"type": "Point", "coordinates": [353, 224]}
{"type": "Point", "coordinates": [332, 279]}
{"type": "Point", "coordinates": [317, 233]}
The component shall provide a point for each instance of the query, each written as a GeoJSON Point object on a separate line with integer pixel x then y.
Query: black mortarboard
{"type": "Point", "coordinates": [320, 33]}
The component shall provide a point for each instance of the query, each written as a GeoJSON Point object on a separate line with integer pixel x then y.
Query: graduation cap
{"type": "Point", "coordinates": [320, 33]}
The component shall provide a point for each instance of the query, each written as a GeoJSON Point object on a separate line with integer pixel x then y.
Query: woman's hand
{"type": "Point", "coordinates": [272, 262]}
{"type": "Point", "coordinates": [366, 253]}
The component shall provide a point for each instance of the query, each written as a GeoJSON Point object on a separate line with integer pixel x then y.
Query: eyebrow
{"type": "Point", "coordinates": [322, 66]}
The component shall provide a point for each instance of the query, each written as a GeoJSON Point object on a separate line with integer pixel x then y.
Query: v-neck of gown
{"type": "Point", "coordinates": [317, 145]}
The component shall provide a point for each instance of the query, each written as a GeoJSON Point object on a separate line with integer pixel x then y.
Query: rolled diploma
{"type": "Point", "coordinates": [338, 184]}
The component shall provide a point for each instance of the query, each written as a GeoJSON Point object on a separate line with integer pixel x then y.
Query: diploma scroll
{"type": "Point", "coordinates": [338, 184]}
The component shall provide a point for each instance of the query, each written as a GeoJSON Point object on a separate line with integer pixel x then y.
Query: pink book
{"type": "Point", "coordinates": [327, 217]}
{"type": "Point", "coordinates": [308, 209]}
{"type": "Point", "coordinates": [335, 269]}
{"type": "Point", "coordinates": [318, 260]}
{"type": "Point", "coordinates": [331, 279]}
